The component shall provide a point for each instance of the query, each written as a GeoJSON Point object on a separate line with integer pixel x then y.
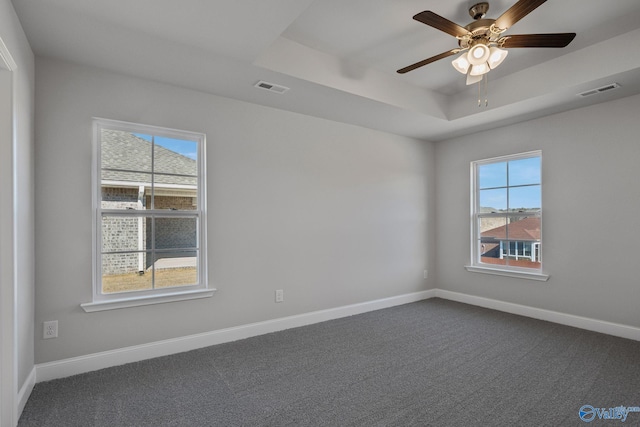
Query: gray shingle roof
{"type": "Point", "coordinates": [126, 152]}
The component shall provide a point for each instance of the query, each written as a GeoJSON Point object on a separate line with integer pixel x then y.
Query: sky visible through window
{"type": "Point", "coordinates": [517, 181]}
{"type": "Point", "coordinates": [186, 148]}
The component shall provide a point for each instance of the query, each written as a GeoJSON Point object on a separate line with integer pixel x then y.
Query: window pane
{"type": "Point", "coordinates": [523, 228]}
{"type": "Point", "coordinates": [176, 202]}
{"type": "Point", "coordinates": [524, 198]}
{"type": "Point", "coordinates": [175, 156]}
{"type": "Point", "coordinates": [493, 200]}
{"type": "Point", "coordinates": [523, 248]}
{"type": "Point", "coordinates": [176, 269]}
{"type": "Point", "coordinates": [124, 233]}
{"type": "Point", "coordinates": [494, 260]}
{"type": "Point", "coordinates": [175, 192]}
{"type": "Point", "coordinates": [175, 178]}
{"type": "Point", "coordinates": [119, 178]}
{"type": "Point", "coordinates": [492, 175]}
{"type": "Point", "coordinates": [164, 181]}
{"type": "Point", "coordinates": [114, 196]}
{"type": "Point", "coordinates": [125, 151]}
{"type": "Point", "coordinates": [524, 171]}
{"type": "Point", "coordinates": [126, 272]}
{"type": "Point", "coordinates": [492, 231]}
{"type": "Point", "coordinates": [176, 233]}
{"type": "Point", "coordinates": [522, 254]}
{"type": "Point", "coordinates": [493, 228]}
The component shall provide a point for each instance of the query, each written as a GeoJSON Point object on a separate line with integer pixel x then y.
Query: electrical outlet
{"type": "Point", "coordinates": [426, 273]}
{"type": "Point", "coordinates": [50, 329]}
{"type": "Point", "coordinates": [279, 295]}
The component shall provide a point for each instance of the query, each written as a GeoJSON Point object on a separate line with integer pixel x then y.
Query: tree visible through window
{"type": "Point", "coordinates": [150, 208]}
{"type": "Point", "coordinates": [507, 212]}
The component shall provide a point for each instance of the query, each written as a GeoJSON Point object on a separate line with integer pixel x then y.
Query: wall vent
{"type": "Point", "coordinates": [272, 87]}
{"type": "Point", "coordinates": [600, 89]}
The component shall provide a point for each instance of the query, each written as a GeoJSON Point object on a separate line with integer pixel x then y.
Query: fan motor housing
{"type": "Point", "coordinates": [479, 31]}
{"type": "Point", "coordinates": [479, 10]}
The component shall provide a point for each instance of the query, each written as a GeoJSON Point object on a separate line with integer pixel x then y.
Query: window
{"type": "Point", "coordinates": [150, 214]}
{"type": "Point", "coordinates": [507, 216]}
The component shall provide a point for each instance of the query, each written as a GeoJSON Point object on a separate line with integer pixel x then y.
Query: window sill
{"type": "Point", "coordinates": [114, 304]}
{"type": "Point", "coordinates": [519, 274]}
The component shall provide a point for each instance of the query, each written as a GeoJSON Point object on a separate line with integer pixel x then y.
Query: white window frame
{"type": "Point", "coordinates": [501, 270]}
{"type": "Point", "coordinates": [201, 289]}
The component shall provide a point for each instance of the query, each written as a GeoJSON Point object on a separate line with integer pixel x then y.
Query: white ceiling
{"type": "Point", "coordinates": [340, 57]}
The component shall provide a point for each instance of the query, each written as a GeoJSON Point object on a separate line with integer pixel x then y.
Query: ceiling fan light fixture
{"type": "Point", "coordinates": [478, 54]}
{"type": "Point", "coordinates": [461, 63]}
{"type": "Point", "coordinates": [480, 69]}
{"type": "Point", "coordinates": [496, 57]}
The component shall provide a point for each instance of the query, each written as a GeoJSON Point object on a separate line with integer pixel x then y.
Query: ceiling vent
{"type": "Point", "coordinates": [600, 89]}
{"type": "Point", "coordinates": [272, 87]}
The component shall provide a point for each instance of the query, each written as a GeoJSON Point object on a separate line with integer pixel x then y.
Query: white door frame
{"type": "Point", "coordinates": [8, 290]}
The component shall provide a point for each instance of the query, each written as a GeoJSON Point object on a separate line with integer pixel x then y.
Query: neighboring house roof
{"type": "Point", "coordinates": [525, 229]}
{"type": "Point", "coordinates": [126, 152]}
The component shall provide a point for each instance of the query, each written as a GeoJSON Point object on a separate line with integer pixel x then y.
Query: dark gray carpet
{"type": "Point", "coordinates": [430, 363]}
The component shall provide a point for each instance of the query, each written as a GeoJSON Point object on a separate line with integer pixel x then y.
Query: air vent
{"type": "Point", "coordinates": [272, 87]}
{"type": "Point", "coordinates": [600, 89]}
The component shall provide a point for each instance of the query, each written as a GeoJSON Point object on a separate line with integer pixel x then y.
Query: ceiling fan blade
{"type": "Point", "coordinates": [516, 12]}
{"type": "Point", "coordinates": [428, 61]}
{"type": "Point", "coordinates": [443, 24]}
{"type": "Point", "coordinates": [539, 40]}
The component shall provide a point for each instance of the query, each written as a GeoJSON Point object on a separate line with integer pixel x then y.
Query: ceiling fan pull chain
{"type": "Point", "coordinates": [485, 79]}
{"type": "Point", "coordinates": [486, 90]}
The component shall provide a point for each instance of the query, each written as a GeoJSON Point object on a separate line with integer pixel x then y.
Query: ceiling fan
{"type": "Point", "coordinates": [482, 41]}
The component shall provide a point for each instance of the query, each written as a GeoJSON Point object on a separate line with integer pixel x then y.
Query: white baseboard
{"type": "Point", "coordinates": [589, 324]}
{"type": "Point", "coordinates": [25, 391]}
{"type": "Point", "coordinates": [92, 362]}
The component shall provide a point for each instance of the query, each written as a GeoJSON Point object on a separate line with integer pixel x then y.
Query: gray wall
{"type": "Point", "coordinates": [23, 209]}
{"type": "Point", "coordinates": [591, 200]}
{"type": "Point", "coordinates": [332, 213]}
